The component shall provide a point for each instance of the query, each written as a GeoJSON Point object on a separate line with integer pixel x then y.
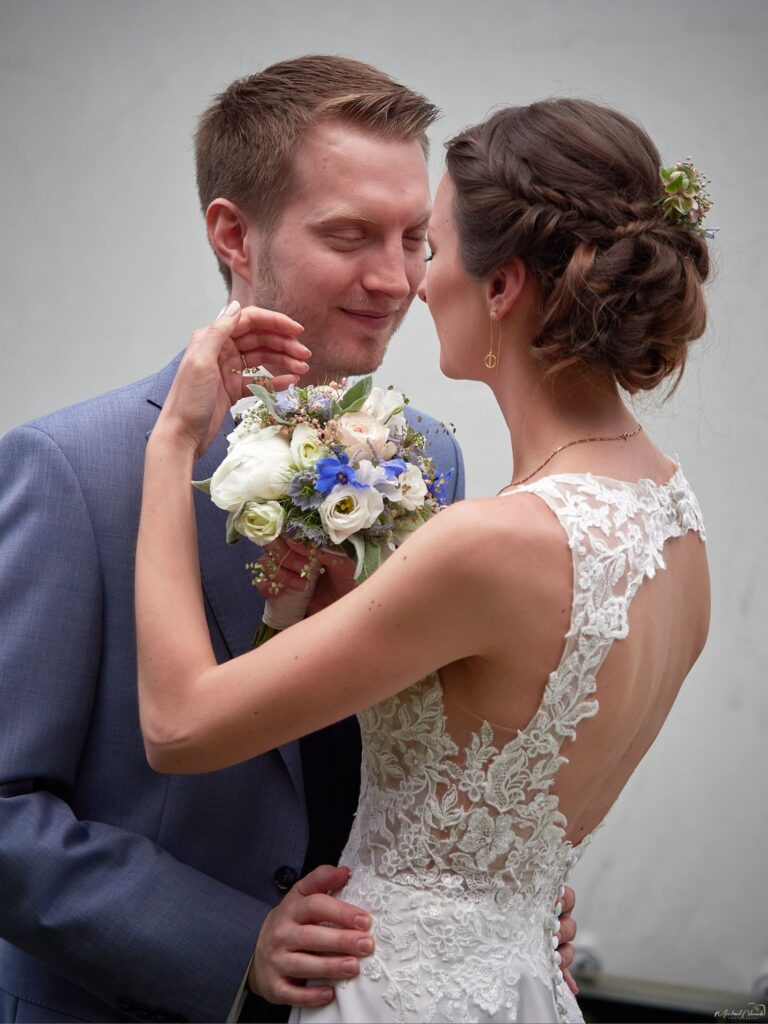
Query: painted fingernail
{"type": "Point", "coordinates": [365, 946]}
{"type": "Point", "coordinates": [363, 921]}
{"type": "Point", "coordinates": [349, 967]}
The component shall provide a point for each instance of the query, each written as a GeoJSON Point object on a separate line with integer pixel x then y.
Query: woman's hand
{"type": "Point", "coordinates": [209, 381]}
{"type": "Point", "coordinates": [286, 565]}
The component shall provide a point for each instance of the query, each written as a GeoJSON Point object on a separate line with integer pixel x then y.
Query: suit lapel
{"type": "Point", "coordinates": [235, 604]}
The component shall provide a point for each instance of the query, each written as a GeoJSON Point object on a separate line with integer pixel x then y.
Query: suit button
{"type": "Point", "coordinates": [124, 1004]}
{"type": "Point", "coordinates": [141, 1012]}
{"type": "Point", "coordinates": [285, 877]}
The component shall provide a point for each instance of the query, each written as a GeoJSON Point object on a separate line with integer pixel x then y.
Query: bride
{"type": "Point", "coordinates": [514, 660]}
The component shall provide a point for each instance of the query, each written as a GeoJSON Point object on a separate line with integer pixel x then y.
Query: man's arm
{"type": "Point", "coordinates": [106, 908]}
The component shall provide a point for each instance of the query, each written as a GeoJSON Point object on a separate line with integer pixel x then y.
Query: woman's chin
{"type": "Point", "coordinates": [455, 370]}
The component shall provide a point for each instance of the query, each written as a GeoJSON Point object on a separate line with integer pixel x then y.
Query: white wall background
{"type": "Point", "coordinates": [104, 270]}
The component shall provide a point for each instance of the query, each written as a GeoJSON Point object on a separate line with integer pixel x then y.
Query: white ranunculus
{"type": "Point", "coordinates": [349, 509]}
{"type": "Point", "coordinates": [387, 407]}
{"type": "Point", "coordinates": [306, 447]}
{"type": "Point", "coordinates": [412, 489]}
{"type": "Point", "coordinates": [261, 521]}
{"type": "Point", "coordinates": [257, 468]}
{"type": "Point", "coordinates": [364, 436]}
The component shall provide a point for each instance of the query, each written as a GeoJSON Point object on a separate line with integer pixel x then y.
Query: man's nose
{"type": "Point", "coordinates": [387, 273]}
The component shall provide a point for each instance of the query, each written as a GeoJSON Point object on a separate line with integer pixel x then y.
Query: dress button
{"type": "Point", "coordinates": [285, 877]}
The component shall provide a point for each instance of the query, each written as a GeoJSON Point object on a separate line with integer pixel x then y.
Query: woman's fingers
{"type": "Point", "coordinates": [254, 318]}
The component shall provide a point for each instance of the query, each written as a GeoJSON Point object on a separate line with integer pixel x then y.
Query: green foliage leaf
{"type": "Point", "coordinates": [203, 485]}
{"type": "Point", "coordinates": [371, 560]}
{"type": "Point", "coordinates": [354, 397]}
{"type": "Point", "coordinates": [354, 547]}
{"type": "Point", "coordinates": [408, 525]}
{"type": "Point", "coordinates": [269, 401]}
{"type": "Point", "coordinates": [232, 535]}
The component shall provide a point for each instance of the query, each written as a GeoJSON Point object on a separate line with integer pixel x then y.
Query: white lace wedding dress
{"type": "Point", "coordinates": [459, 851]}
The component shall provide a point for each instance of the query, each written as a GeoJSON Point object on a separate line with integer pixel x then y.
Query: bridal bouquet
{"type": "Point", "coordinates": [335, 467]}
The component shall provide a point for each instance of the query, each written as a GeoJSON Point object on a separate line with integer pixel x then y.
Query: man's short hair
{"type": "Point", "coordinates": [247, 139]}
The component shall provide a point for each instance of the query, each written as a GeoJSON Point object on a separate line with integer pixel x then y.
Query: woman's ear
{"type": "Point", "coordinates": [505, 287]}
{"type": "Point", "coordinates": [231, 237]}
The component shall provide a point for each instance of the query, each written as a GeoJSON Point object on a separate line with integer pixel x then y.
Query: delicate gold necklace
{"type": "Point", "coordinates": [582, 440]}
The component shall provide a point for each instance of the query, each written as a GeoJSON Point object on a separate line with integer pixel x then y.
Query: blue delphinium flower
{"type": "Point", "coordinates": [437, 487]}
{"type": "Point", "coordinates": [287, 401]}
{"type": "Point", "coordinates": [393, 468]}
{"type": "Point", "coordinates": [304, 492]}
{"type": "Point", "coordinates": [335, 471]}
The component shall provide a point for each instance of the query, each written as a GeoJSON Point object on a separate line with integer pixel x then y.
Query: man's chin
{"type": "Point", "coordinates": [353, 362]}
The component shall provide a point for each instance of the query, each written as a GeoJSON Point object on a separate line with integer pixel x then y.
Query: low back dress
{"type": "Point", "coordinates": [458, 847]}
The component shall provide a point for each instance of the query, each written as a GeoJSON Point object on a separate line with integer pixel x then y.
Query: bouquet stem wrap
{"type": "Point", "coordinates": [286, 610]}
{"type": "Point", "coordinates": [289, 608]}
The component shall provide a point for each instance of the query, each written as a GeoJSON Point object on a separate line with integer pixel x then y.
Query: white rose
{"type": "Point", "coordinates": [387, 407]}
{"type": "Point", "coordinates": [306, 447]}
{"type": "Point", "coordinates": [364, 436]}
{"type": "Point", "coordinates": [261, 521]}
{"type": "Point", "coordinates": [412, 489]}
{"type": "Point", "coordinates": [349, 509]}
{"type": "Point", "coordinates": [257, 468]}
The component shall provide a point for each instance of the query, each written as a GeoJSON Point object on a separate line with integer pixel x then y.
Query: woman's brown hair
{"type": "Point", "coordinates": [573, 189]}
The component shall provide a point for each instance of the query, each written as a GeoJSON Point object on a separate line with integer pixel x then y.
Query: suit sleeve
{"type": "Point", "coordinates": [106, 908]}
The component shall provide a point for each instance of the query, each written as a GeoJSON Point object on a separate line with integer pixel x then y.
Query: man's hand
{"type": "Point", "coordinates": [567, 934]}
{"type": "Point", "coordinates": [298, 942]}
{"type": "Point", "coordinates": [286, 564]}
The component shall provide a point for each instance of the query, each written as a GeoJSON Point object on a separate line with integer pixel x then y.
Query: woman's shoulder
{"type": "Point", "coordinates": [518, 528]}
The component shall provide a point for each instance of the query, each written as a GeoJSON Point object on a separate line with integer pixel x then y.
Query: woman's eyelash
{"type": "Point", "coordinates": [428, 257]}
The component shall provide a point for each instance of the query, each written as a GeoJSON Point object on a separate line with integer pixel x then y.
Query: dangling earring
{"type": "Point", "coordinates": [491, 360]}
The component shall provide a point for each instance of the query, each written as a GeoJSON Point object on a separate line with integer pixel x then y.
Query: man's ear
{"type": "Point", "coordinates": [504, 289]}
{"type": "Point", "coordinates": [231, 237]}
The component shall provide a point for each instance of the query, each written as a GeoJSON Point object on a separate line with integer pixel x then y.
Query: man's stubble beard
{"type": "Point", "coordinates": [329, 361]}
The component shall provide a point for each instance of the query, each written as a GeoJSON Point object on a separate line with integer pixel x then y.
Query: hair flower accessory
{"type": "Point", "coordinates": [685, 199]}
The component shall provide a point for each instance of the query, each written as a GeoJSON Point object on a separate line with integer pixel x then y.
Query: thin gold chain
{"type": "Point", "coordinates": [582, 440]}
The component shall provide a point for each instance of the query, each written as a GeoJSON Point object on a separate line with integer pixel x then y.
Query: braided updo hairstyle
{"type": "Point", "coordinates": [572, 188]}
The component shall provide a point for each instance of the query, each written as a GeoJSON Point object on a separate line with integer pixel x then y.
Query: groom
{"type": "Point", "coordinates": [126, 895]}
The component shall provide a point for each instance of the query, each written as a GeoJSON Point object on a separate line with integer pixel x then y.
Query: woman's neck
{"type": "Point", "coordinates": [544, 412]}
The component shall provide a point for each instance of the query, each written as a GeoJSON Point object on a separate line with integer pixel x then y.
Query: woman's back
{"type": "Point", "coordinates": [479, 781]}
{"type": "Point", "coordinates": [663, 622]}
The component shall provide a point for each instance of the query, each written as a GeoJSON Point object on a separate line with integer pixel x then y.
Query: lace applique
{"type": "Point", "coordinates": [461, 853]}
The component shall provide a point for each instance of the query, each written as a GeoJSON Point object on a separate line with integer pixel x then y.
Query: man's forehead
{"type": "Point", "coordinates": [341, 163]}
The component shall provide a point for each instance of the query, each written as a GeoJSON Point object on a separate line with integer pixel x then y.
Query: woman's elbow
{"type": "Point", "coordinates": [167, 750]}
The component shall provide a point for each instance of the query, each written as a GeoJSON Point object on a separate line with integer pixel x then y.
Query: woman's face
{"type": "Point", "coordinates": [456, 301]}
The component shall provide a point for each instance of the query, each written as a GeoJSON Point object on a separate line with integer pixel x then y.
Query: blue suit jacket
{"type": "Point", "coordinates": [125, 894]}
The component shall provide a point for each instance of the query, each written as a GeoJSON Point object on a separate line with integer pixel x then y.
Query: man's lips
{"type": "Point", "coordinates": [372, 318]}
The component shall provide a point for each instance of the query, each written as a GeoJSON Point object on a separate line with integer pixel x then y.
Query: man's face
{"type": "Point", "coordinates": [347, 253]}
